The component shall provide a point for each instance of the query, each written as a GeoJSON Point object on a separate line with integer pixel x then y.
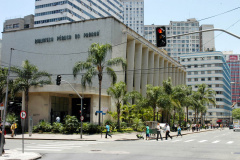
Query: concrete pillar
{"type": "Point", "coordinates": [185, 76]}
{"type": "Point", "coordinates": [156, 70]}
{"type": "Point", "coordinates": [144, 77]}
{"type": "Point", "coordinates": [170, 70]}
{"type": "Point", "coordinates": [150, 67]}
{"type": "Point", "coordinates": [130, 64]}
{"type": "Point", "coordinates": [165, 70]}
{"type": "Point", "coordinates": [137, 67]}
{"type": "Point", "coordinates": [173, 75]}
{"type": "Point", "coordinates": [179, 73]}
{"type": "Point", "coordinates": [161, 70]}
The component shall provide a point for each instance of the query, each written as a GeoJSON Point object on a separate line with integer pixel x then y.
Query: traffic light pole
{"type": "Point", "coordinates": [81, 103]}
{"type": "Point", "coordinates": [207, 30]}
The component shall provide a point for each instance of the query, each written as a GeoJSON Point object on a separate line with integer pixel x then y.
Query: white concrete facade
{"type": "Point", "coordinates": [49, 12]}
{"type": "Point", "coordinates": [57, 48]}
{"type": "Point", "coordinates": [134, 15]}
{"type": "Point", "coordinates": [210, 68]}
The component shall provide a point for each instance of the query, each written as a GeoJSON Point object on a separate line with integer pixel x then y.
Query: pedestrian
{"type": "Point", "coordinates": [147, 132]}
{"type": "Point", "coordinates": [159, 131]}
{"type": "Point", "coordinates": [179, 131]}
{"type": "Point", "coordinates": [1, 138]}
{"type": "Point", "coordinates": [168, 131]}
{"type": "Point", "coordinates": [58, 119]}
{"type": "Point", "coordinates": [108, 131]}
{"type": "Point", "coordinates": [13, 128]}
{"type": "Point", "coordinates": [188, 127]}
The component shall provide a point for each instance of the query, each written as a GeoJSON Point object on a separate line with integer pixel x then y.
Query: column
{"type": "Point", "coordinates": [173, 75]}
{"type": "Point", "coordinates": [156, 70]}
{"type": "Point", "coordinates": [161, 70]}
{"type": "Point", "coordinates": [165, 70]}
{"type": "Point", "coordinates": [137, 67]}
{"type": "Point", "coordinates": [170, 70]}
{"type": "Point", "coordinates": [150, 67]}
{"type": "Point", "coordinates": [180, 76]}
{"type": "Point", "coordinates": [144, 71]}
{"type": "Point", "coordinates": [130, 64]}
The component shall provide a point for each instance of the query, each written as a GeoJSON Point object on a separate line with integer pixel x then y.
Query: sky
{"type": "Point", "coordinates": [161, 12]}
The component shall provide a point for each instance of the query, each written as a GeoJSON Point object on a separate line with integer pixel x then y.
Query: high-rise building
{"type": "Point", "coordinates": [134, 15]}
{"type": "Point", "coordinates": [48, 12]}
{"type": "Point", "coordinates": [211, 69]}
{"type": "Point", "coordinates": [19, 23]}
{"type": "Point", "coordinates": [233, 61]}
{"type": "Point", "coordinates": [177, 46]}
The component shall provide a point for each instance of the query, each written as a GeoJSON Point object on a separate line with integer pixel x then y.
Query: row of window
{"type": "Point", "coordinates": [205, 79]}
{"type": "Point", "coordinates": [10, 26]}
{"type": "Point", "coordinates": [185, 24]}
{"type": "Point", "coordinates": [134, 9]}
{"type": "Point", "coordinates": [205, 65]}
{"type": "Point", "coordinates": [185, 50]}
{"type": "Point", "coordinates": [202, 58]}
{"type": "Point", "coordinates": [53, 20]}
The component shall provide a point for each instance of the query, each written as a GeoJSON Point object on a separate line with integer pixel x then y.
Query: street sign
{"type": "Point", "coordinates": [82, 118]}
{"type": "Point", "coordinates": [99, 111]}
{"type": "Point", "coordinates": [1, 106]}
{"type": "Point", "coordinates": [23, 114]}
{"type": "Point", "coordinates": [103, 113]}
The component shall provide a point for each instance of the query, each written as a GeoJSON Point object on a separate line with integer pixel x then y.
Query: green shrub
{"type": "Point", "coordinates": [42, 126]}
{"type": "Point", "coordinates": [71, 124]}
{"type": "Point", "coordinates": [57, 127]}
{"type": "Point", "coordinates": [94, 128]}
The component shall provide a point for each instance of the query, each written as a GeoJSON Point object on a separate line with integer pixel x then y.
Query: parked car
{"type": "Point", "coordinates": [231, 126]}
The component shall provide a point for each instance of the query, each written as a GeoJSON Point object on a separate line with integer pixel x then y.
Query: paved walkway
{"type": "Point", "coordinates": [14, 154]}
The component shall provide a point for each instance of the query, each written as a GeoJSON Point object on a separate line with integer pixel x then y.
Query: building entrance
{"type": "Point", "coordinates": [76, 107]}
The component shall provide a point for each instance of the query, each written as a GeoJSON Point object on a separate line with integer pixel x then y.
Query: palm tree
{"type": "Point", "coordinates": [118, 92]}
{"type": "Point", "coordinates": [28, 76]}
{"type": "Point", "coordinates": [95, 65]}
{"type": "Point", "coordinates": [205, 96]}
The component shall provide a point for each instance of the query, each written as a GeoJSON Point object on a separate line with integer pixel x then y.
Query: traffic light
{"type": "Point", "coordinates": [161, 38]}
{"type": "Point", "coordinates": [58, 80]}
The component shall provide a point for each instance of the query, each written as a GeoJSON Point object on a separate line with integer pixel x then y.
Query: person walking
{"type": "Point", "coordinates": [1, 137]}
{"type": "Point", "coordinates": [147, 132]}
{"type": "Point", "coordinates": [179, 131]}
{"type": "Point", "coordinates": [13, 128]}
{"type": "Point", "coordinates": [108, 131]}
{"type": "Point", "coordinates": [168, 131]}
{"type": "Point", "coordinates": [159, 131]}
{"type": "Point", "coordinates": [188, 127]}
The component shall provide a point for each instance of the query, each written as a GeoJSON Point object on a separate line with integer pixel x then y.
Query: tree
{"type": "Point", "coordinates": [236, 113]}
{"type": "Point", "coordinates": [95, 65]}
{"type": "Point", "coordinates": [118, 92]}
{"type": "Point", "coordinates": [28, 76]}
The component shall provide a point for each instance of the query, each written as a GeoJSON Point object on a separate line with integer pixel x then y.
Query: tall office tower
{"type": "Point", "coordinates": [134, 15]}
{"type": "Point", "coordinates": [211, 69]}
{"type": "Point", "coordinates": [48, 12]}
{"type": "Point", "coordinates": [207, 41]}
{"type": "Point", "coordinates": [183, 44]}
{"type": "Point", "coordinates": [233, 61]}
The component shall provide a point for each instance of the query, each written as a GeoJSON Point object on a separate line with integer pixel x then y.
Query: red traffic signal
{"type": "Point", "coordinates": [161, 38]}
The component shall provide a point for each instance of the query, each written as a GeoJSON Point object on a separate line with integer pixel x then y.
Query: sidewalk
{"type": "Point", "coordinates": [14, 154]}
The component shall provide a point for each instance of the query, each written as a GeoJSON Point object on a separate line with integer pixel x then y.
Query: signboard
{"type": "Point", "coordinates": [1, 106]}
{"type": "Point", "coordinates": [103, 113]}
{"type": "Point", "coordinates": [82, 118]}
{"type": "Point", "coordinates": [233, 57]}
{"type": "Point", "coordinates": [23, 114]}
{"type": "Point", "coordinates": [99, 111]}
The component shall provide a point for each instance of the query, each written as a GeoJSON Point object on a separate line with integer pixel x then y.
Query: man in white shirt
{"type": "Point", "coordinates": [159, 131]}
{"type": "Point", "coordinates": [167, 131]}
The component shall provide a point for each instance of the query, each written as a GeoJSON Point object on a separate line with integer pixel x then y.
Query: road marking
{"type": "Point", "coordinates": [190, 140]}
{"type": "Point", "coordinates": [216, 141]}
{"type": "Point", "coordinates": [202, 141]}
{"type": "Point", "coordinates": [176, 141]}
{"type": "Point", "coordinates": [29, 149]}
{"type": "Point", "coordinates": [230, 142]}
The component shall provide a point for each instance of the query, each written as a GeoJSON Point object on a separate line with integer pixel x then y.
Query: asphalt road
{"type": "Point", "coordinates": [212, 145]}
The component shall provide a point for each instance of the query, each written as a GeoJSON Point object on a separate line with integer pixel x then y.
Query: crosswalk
{"type": "Point", "coordinates": [193, 140]}
{"type": "Point", "coordinates": [57, 146]}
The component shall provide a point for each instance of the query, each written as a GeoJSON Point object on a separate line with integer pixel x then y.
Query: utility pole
{"type": "Point", "coordinates": [5, 105]}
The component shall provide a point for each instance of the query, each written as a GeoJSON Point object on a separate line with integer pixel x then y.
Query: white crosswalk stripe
{"type": "Point", "coordinates": [216, 141]}
{"type": "Point", "coordinates": [230, 142]}
{"type": "Point", "coordinates": [56, 146]}
{"type": "Point", "coordinates": [189, 140]}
